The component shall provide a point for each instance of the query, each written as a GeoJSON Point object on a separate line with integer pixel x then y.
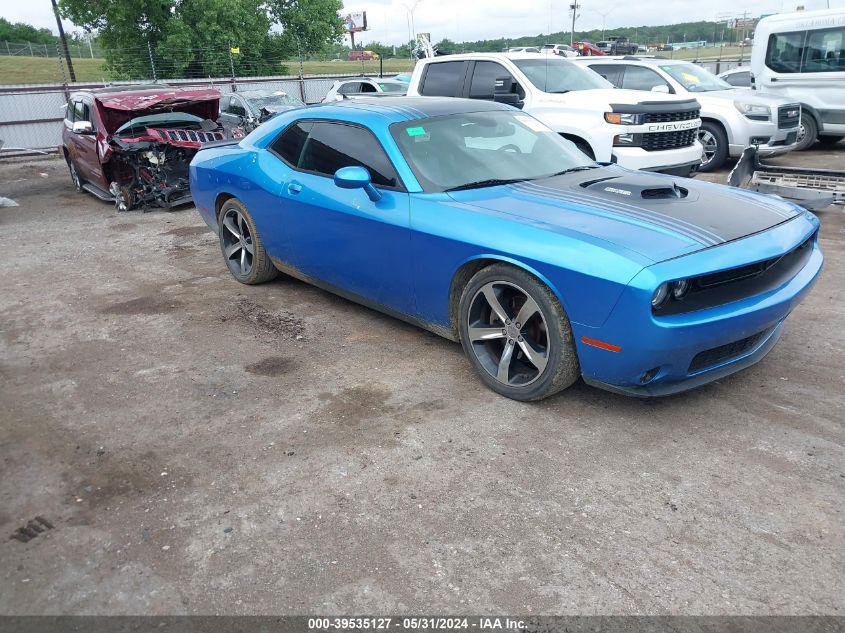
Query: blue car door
{"type": "Point", "coordinates": [340, 236]}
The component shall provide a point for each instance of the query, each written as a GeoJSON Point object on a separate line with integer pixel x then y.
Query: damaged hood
{"type": "Point", "coordinates": [119, 108]}
{"type": "Point", "coordinates": [657, 216]}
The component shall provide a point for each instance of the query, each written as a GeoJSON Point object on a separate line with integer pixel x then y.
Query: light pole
{"type": "Point", "coordinates": [603, 15]}
{"type": "Point", "coordinates": [411, 9]}
{"type": "Point", "coordinates": [574, 8]}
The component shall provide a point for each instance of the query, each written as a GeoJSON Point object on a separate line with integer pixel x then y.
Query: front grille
{"type": "Point", "coordinates": [658, 141]}
{"type": "Point", "coordinates": [194, 136]}
{"type": "Point", "coordinates": [789, 116]}
{"type": "Point", "coordinates": [724, 353]}
{"type": "Point", "coordinates": [668, 117]}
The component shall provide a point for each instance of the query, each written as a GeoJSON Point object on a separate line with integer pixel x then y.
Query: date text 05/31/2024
{"type": "Point", "coordinates": [415, 623]}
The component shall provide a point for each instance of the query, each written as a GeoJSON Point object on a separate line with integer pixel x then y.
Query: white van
{"type": "Point", "coordinates": [801, 56]}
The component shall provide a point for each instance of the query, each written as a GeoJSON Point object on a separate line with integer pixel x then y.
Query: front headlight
{"type": "Point", "coordinates": [660, 295]}
{"type": "Point", "coordinates": [753, 111]}
{"type": "Point", "coordinates": [618, 118]}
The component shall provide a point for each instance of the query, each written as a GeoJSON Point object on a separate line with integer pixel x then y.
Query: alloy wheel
{"type": "Point", "coordinates": [709, 143]}
{"type": "Point", "coordinates": [508, 333]}
{"type": "Point", "coordinates": [237, 242]}
{"type": "Point", "coordinates": [802, 132]}
{"type": "Point", "coordinates": [74, 175]}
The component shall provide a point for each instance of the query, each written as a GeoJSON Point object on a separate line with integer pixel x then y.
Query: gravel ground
{"type": "Point", "coordinates": [199, 446]}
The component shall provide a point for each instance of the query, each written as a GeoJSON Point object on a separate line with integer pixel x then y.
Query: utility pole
{"type": "Point", "coordinates": [574, 8]}
{"type": "Point", "coordinates": [64, 42]}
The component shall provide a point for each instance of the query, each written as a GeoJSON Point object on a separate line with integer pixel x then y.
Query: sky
{"type": "Point", "coordinates": [468, 20]}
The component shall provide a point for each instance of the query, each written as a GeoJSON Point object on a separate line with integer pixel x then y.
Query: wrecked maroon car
{"type": "Point", "coordinates": [132, 145]}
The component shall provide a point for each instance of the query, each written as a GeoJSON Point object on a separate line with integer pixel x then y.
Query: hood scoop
{"type": "Point", "coordinates": [644, 187]}
{"type": "Point", "coordinates": [663, 193]}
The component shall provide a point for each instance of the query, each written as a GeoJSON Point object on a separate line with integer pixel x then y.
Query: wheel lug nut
{"type": "Point", "coordinates": [510, 341]}
{"type": "Point", "coordinates": [520, 339]}
{"type": "Point", "coordinates": [507, 321]}
{"type": "Point", "coordinates": [517, 324]}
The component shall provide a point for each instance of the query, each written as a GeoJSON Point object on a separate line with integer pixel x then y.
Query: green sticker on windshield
{"type": "Point", "coordinates": [416, 131]}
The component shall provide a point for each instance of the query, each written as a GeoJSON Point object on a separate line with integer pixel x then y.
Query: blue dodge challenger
{"type": "Point", "coordinates": [477, 222]}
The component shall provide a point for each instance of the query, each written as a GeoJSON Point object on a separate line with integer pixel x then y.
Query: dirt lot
{"type": "Point", "coordinates": [200, 446]}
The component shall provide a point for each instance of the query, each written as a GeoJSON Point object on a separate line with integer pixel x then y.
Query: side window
{"type": "Point", "coordinates": [825, 51]}
{"type": "Point", "coordinates": [611, 72]}
{"type": "Point", "coordinates": [641, 78]}
{"type": "Point", "coordinates": [236, 107]}
{"type": "Point", "coordinates": [443, 79]}
{"type": "Point", "coordinates": [742, 79]}
{"type": "Point", "coordinates": [484, 79]}
{"type": "Point", "coordinates": [224, 103]}
{"type": "Point", "coordinates": [331, 146]}
{"type": "Point", "coordinates": [784, 52]}
{"type": "Point", "coordinates": [368, 87]}
{"type": "Point", "coordinates": [349, 88]}
{"type": "Point", "coordinates": [80, 111]}
{"type": "Point", "coordinates": [288, 145]}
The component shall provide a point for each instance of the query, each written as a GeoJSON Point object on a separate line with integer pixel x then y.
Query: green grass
{"type": "Point", "coordinates": [36, 70]}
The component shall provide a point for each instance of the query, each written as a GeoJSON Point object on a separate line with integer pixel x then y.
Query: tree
{"type": "Point", "coordinates": [20, 32]}
{"type": "Point", "coordinates": [194, 37]}
{"type": "Point", "coordinates": [307, 25]}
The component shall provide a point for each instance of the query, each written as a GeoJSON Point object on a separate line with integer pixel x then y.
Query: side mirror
{"type": "Point", "coordinates": [356, 178]}
{"type": "Point", "coordinates": [83, 127]}
{"type": "Point", "coordinates": [504, 91]}
{"type": "Point", "coordinates": [661, 88]}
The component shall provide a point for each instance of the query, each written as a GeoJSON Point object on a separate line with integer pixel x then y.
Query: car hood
{"type": "Point", "coordinates": [656, 216]}
{"type": "Point", "coordinates": [746, 95]}
{"type": "Point", "coordinates": [117, 109]}
{"type": "Point", "coordinates": [603, 97]}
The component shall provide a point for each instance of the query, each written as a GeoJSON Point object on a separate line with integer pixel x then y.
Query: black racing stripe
{"type": "Point", "coordinates": [682, 226]}
{"type": "Point", "coordinates": [625, 211]}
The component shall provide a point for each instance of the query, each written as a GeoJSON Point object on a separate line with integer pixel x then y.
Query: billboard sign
{"type": "Point", "coordinates": [354, 21]}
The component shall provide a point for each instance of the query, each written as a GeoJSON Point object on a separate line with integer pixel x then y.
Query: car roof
{"type": "Point", "coordinates": [491, 56]}
{"type": "Point", "coordinates": [653, 60]}
{"type": "Point", "coordinates": [399, 109]}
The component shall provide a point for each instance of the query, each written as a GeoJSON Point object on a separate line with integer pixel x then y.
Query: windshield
{"type": "Point", "coordinates": [165, 119]}
{"type": "Point", "coordinates": [558, 76]}
{"type": "Point", "coordinates": [389, 86]}
{"type": "Point", "coordinates": [477, 149]}
{"type": "Point", "coordinates": [261, 99]}
{"type": "Point", "coordinates": [695, 78]}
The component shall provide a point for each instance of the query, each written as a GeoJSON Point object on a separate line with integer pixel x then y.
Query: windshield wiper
{"type": "Point", "coordinates": [490, 182]}
{"type": "Point", "coordinates": [571, 169]}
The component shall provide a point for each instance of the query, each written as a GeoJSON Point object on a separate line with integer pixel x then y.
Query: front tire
{"type": "Point", "coordinates": [715, 143]}
{"type": "Point", "coordinates": [808, 131]}
{"type": "Point", "coordinates": [241, 245]}
{"type": "Point", "coordinates": [74, 175]}
{"type": "Point", "coordinates": [516, 334]}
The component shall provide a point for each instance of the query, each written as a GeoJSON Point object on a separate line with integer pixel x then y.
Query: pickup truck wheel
{"type": "Point", "coordinates": [807, 133]}
{"type": "Point", "coordinates": [74, 175]}
{"type": "Point", "coordinates": [516, 334]}
{"type": "Point", "coordinates": [715, 143]}
{"type": "Point", "coordinates": [241, 245]}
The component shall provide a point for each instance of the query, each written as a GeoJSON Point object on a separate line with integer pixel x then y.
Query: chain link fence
{"type": "Point", "coordinates": [89, 50]}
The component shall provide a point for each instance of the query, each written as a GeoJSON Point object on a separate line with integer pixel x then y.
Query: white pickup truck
{"type": "Point", "coordinates": [656, 132]}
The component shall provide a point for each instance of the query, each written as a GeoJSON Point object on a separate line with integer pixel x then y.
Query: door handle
{"type": "Point", "coordinates": [294, 188]}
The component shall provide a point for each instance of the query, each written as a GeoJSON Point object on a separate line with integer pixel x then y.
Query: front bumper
{"type": "Point", "coordinates": [748, 132]}
{"type": "Point", "coordinates": [687, 350]}
{"type": "Point", "coordinates": [638, 158]}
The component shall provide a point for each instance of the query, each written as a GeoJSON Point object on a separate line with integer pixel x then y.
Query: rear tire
{"type": "Point", "coordinates": [242, 248]}
{"type": "Point", "coordinates": [715, 142]}
{"type": "Point", "coordinates": [807, 133]}
{"type": "Point", "coordinates": [529, 359]}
